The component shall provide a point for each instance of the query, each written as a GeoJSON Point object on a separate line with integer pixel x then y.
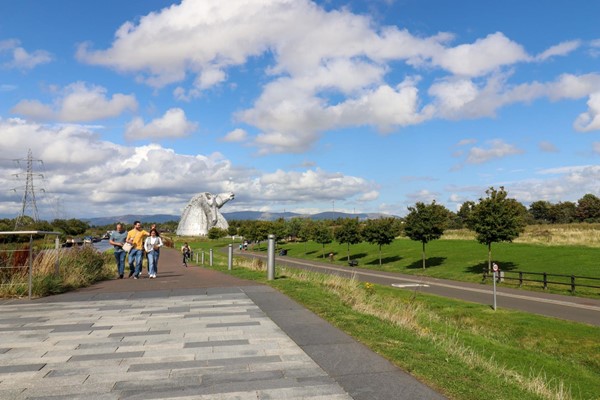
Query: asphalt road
{"type": "Point", "coordinates": [570, 308]}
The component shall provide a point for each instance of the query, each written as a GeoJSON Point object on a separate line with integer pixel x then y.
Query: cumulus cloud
{"type": "Point", "coordinates": [589, 120]}
{"type": "Point", "coordinates": [21, 58]}
{"type": "Point", "coordinates": [236, 135]}
{"type": "Point", "coordinates": [173, 124]}
{"type": "Point", "coordinates": [93, 177]}
{"type": "Point", "coordinates": [481, 57]}
{"type": "Point", "coordinates": [78, 102]}
{"type": "Point", "coordinates": [497, 149]}
{"type": "Point", "coordinates": [329, 53]}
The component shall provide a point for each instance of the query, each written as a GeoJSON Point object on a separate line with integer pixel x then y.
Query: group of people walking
{"type": "Point", "coordinates": [137, 242]}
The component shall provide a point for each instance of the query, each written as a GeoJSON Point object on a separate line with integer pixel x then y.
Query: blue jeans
{"type": "Point", "coordinates": [120, 258]}
{"type": "Point", "coordinates": [135, 261]}
{"type": "Point", "coordinates": [153, 262]}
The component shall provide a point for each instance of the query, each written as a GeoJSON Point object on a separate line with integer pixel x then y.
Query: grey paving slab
{"type": "Point", "coordinates": [111, 349]}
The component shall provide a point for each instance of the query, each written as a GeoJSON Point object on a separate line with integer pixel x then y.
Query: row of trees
{"type": "Point", "coordinates": [586, 209]}
{"type": "Point", "coordinates": [495, 218]}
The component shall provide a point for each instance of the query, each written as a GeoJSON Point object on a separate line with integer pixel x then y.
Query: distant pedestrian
{"type": "Point", "coordinates": [136, 237]}
{"type": "Point", "coordinates": [152, 247]}
{"type": "Point", "coordinates": [117, 238]}
{"type": "Point", "coordinates": [186, 252]}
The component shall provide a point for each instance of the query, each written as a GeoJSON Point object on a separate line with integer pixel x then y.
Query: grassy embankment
{"type": "Point", "coordinates": [464, 350]}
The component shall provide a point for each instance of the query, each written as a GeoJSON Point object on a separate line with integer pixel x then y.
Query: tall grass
{"type": "Point", "coordinates": [78, 267]}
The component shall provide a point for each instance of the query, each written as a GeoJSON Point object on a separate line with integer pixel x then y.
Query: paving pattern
{"type": "Point", "coordinates": [202, 346]}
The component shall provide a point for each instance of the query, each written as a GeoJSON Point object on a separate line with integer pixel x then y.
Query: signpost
{"type": "Point", "coordinates": [495, 269]}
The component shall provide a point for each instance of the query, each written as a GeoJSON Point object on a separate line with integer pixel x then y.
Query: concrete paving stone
{"type": "Point", "coordinates": [214, 343]}
{"type": "Point", "coordinates": [303, 392]}
{"type": "Point", "coordinates": [86, 396]}
{"type": "Point", "coordinates": [138, 333]}
{"type": "Point", "coordinates": [69, 380]}
{"type": "Point", "coordinates": [152, 385]}
{"type": "Point", "coordinates": [106, 356]}
{"type": "Point", "coordinates": [22, 320]}
{"type": "Point", "coordinates": [10, 394]}
{"type": "Point", "coordinates": [340, 359]}
{"type": "Point", "coordinates": [16, 368]}
{"type": "Point", "coordinates": [81, 391]}
{"type": "Point", "coordinates": [223, 378]}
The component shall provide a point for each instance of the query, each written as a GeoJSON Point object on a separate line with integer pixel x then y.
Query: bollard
{"type": "Point", "coordinates": [210, 257]}
{"type": "Point", "coordinates": [271, 258]}
{"type": "Point", "coordinates": [202, 257]}
{"type": "Point", "coordinates": [57, 248]}
{"type": "Point", "coordinates": [230, 258]}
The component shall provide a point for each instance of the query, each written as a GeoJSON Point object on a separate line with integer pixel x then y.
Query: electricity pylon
{"type": "Point", "coordinates": [28, 202]}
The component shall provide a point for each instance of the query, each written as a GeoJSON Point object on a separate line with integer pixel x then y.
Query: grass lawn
{"type": "Point", "coordinates": [465, 260]}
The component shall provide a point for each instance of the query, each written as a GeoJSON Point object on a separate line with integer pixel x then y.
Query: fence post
{"type": "Point", "coordinates": [572, 283]}
{"type": "Point", "coordinates": [545, 281]}
{"type": "Point", "coordinates": [520, 279]}
{"type": "Point", "coordinates": [30, 263]}
{"type": "Point", "coordinates": [57, 248]}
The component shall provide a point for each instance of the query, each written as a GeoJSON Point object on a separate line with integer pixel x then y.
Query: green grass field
{"type": "Point", "coordinates": [464, 260]}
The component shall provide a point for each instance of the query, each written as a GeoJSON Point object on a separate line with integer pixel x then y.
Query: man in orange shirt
{"type": "Point", "coordinates": [136, 237]}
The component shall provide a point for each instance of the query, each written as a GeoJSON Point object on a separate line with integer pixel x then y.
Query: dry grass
{"type": "Point", "coordinates": [551, 235]}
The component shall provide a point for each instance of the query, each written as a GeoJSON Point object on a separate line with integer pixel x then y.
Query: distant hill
{"type": "Point", "coordinates": [232, 216]}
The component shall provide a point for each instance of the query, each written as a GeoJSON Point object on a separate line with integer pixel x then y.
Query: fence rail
{"type": "Point", "coordinates": [573, 281]}
{"type": "Point", "coordinates": [30, 254]}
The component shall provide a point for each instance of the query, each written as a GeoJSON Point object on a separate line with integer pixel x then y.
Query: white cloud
{"type": "Point", "coordinates": [78, 102]}
{"type": "Point", "coordinates": [589, 120]}
{"type": "Point", "coordinates": [236, 135]}
{"type": "Point", "coordinates": [171, 125]}
{"type": "Point", "coordinates": [21, 58]}
{"type": "Point", "coordinates": [497, 149]}
{"type": "Point", "coordinates": [481, 57]}
{"type": "Point", "coordinates": [93, 177]}
{"type": "Point", "coordinates": [560, 49]}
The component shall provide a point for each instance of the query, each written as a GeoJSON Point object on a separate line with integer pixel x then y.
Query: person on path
{"type": "Point", "coordinates": [152, 246]}
{"type": "Point", "coordinates": [136, 237]}
{"type": "Point", "coordinates": [186, 252]}
{"type": "Point", "coordinates": [117, 238]}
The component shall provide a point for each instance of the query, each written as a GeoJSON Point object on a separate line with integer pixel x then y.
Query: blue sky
{"type": "Point", "coordinates": [296, 105]}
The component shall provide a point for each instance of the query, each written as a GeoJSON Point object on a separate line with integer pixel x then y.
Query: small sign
{"type": "Point", "coordinates": [495, 267]}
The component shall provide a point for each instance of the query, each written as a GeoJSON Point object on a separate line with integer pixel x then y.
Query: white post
{"type": "Point", "coordinates": [230, 258]}
{"type": "Point", "coordinates": [210, 259]}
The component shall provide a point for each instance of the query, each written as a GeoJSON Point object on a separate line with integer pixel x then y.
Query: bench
{"type": "Point", "coordinates": [353, 263]}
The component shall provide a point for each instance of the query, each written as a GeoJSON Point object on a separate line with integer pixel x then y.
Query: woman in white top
{"type": "Point", "coordinates": [152, 246]}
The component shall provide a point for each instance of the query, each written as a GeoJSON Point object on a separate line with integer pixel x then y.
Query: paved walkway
{"type": "Point", "coordinates": [191, 333]}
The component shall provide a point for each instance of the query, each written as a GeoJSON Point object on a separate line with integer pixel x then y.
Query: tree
{"type": "Point", "coordinates": [380, 231]}
{"type": "Point", "coordinates": [588, 208]}
{"type": "Point", "coordinates": [216, 233]}
{"type": "Point", "coordinates": [306, 231]}
{"type": "Point", "coordinates": [348, 232]}
{"type": "Point", "coordinates": [497, 219]}
{"type": "Point", "coordinates": [426, 222]}
{"type": "Point", "coordinates": [464, 213]}
{"type": "Point", "coordinates": [563, 212]}
{"type": "Point", "coordinates": [540, 211]}
{"type": "Point", "coordinates": [322, 235]}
